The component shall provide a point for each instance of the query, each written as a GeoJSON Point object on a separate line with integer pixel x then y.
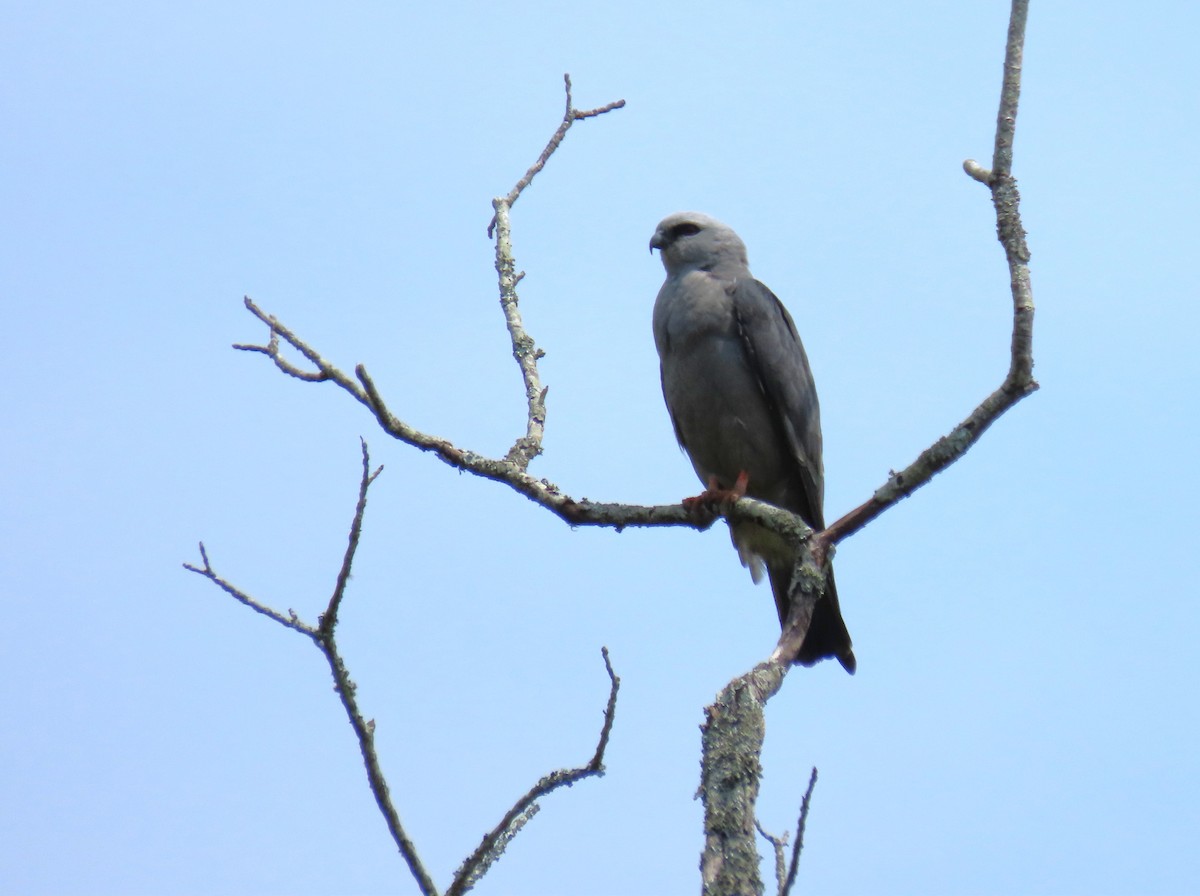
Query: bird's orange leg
{"type": "Point", "coordinates": [710, 502]}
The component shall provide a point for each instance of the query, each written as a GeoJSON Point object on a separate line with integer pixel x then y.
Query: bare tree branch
{"type": "Point", "coordinates": [798, 844]}
{"type": "Point", "coordinates": [1019, 381]}
{"type": "Point", "coordinates": [779, 847]}
{"type": "Point", "coordinates": [496, 840]}
{"type": "Point", "coordinates": [364, 730]}
{"type": "Point", "coordinates": [323, 636]}
{"type": "Point", "coordinates": [328, 620]}
{"type": "Point", "coordinates": [785, 871]}
{"type": "Point", "coordinates": [512, 469]}
{"type": "Point", "coordinates": [290, 621]}
{"type": "Point", "coordinates": [570, 116]}
{"type": "Point", "coordinates": [526, 353]}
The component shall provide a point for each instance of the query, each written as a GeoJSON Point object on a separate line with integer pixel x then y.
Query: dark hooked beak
{"type": "Point", "coordinates": [656, 242]}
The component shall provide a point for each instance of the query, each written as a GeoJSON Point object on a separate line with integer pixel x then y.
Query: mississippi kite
{"type": "Point", "coordinates": [742, 401]}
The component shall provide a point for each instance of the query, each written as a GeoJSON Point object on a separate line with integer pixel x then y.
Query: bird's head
{"type": "Point", "coordinates": [691, 241]}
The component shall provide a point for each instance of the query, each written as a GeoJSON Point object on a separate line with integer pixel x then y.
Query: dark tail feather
{"type": "Point", "coordinates": [827, 633]}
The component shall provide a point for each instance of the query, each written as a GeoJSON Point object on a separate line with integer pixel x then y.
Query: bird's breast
{"type": "Point", "coordinates": [724, 420]}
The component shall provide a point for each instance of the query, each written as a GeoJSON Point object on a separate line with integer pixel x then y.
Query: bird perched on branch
{"type": "Point", "coordinates": [741, 398]}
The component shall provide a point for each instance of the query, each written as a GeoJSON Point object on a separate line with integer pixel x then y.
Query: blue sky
{"type": "Point", "coordinates": [1024, 718]}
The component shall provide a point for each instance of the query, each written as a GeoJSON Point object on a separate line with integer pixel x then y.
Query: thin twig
{"type": "Point", "coordinates": [779, 847]}
{"type": "Point", "coordinates": [271, 350]}
{"type": "Point", "coordinates": [610, 713]}
{"type": "Point", "coordinates": [325, 370]}
{"type": "Point", "coordinates": [798, 843]}
{"type": "Point", "coordinates": [495, 841]}
{"type": "Point", "coordinates": [290, 621]}
{"type": "Point", "coordinates": [570, 116]}
{"type": "Point", "coordinates": [328, 620]}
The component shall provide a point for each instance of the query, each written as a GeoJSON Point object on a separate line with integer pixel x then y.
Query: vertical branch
{"type": "Point", "coordinates": [328, 620]}
{"type": "Point", "coordinates": [525, 351]}
{"type": "Point", "coordinates": [798, 843]}
{"type": "Point", "coordinates": [779, 846]}
{"type": "Point", "coordinates": [529, 446]}
{"type": "Point", "coordinates": [1007, 201]}
{"type": "Point", "coordinates": [731, 744]}
{"type": "Point", "coordinates": [1010, 89]}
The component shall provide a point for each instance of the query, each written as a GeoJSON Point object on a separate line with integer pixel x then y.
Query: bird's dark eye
{"type": "Point", "coordinates": [687, 228]}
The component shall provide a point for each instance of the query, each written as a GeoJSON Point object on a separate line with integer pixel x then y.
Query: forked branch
{"type": "Point", "coordinates": [323, 634]}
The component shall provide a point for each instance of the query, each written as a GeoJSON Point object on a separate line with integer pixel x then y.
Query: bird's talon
{"type": "Point", "coordinates": [714, 500]}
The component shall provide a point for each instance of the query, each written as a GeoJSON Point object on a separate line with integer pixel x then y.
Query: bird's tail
{"type": "Point", "coordinates": [827, 633]}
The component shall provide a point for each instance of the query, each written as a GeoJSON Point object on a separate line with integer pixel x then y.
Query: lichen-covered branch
{"type": "Point", "coordinates": [730, 771]}
{"type": "Point", "coordinates": [525, 351]}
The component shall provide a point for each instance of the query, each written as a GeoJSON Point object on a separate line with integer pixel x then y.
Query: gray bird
{"type": "Point", "coordinates": [742, 401]}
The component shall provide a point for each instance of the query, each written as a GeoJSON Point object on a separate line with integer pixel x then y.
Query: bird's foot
{"type": "Point", "coordinates": [714, 500]}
